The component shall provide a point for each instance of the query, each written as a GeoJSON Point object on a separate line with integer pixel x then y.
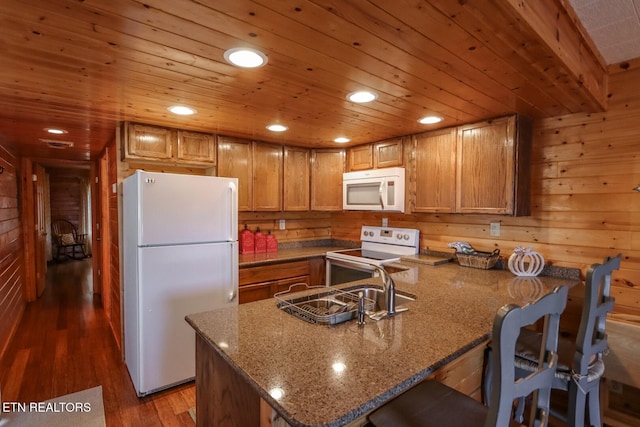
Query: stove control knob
{"type": "Point", "coordinates": [406, 237]}
{"type": "Point", "coordinates": [399, 236]}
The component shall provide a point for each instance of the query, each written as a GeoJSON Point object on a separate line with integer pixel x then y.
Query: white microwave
{"type": "Point", "coordinates": [374, 190]}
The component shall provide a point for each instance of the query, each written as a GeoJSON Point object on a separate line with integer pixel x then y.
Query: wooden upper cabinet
{"type": "Point", "coordinates": [327, 167]}
{"type": "Point", "coordinates": [195, 147]}
{"type": "Point", "coordinates": [360, 157]}
{"type": "Point", "coordinates": [235, 160]}
{"type": "Point", "coordinates": [267, 177]}
{"type": "Point", "coordinates": [155, 144]}
{"type": "Point", "coordinates": [296, 179]}
{"type": "Point", "coordinates": [434, 181]}
{"type": "Point", "coordinates": [383, 154]}
{"type": "Point", "coordinates": [143, 142]}
{"type": "Point", "coordinates": [493, 170]}
{"type": "Point", "coordinates": [388, 153]}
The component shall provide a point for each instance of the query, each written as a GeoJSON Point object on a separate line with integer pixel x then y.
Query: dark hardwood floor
{"type": "Point", "coordinates": [64, 344]}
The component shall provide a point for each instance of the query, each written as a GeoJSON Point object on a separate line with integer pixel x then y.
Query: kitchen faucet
{"type": "Point", "coordinates": [389, 289]}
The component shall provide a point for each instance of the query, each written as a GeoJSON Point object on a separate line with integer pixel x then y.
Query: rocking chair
{"type": "Point", "coordinates": [67, 241]}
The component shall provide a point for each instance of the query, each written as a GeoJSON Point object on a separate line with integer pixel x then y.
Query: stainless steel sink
{"type": "Point", "coordinates": [376, 293]}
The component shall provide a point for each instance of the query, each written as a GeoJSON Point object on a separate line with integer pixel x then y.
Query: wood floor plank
{"type": "Point", "coordinates": [64, 344]}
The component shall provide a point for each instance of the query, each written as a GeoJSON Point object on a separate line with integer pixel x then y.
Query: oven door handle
{"type": "Point", "coordinates": [380, 194]}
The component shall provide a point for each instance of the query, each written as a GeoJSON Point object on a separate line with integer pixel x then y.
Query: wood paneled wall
{"type": "Point", "coordinates": [114, 233]}
{"type": "Point", "coordinates": [66, 190]}
{"type": "Point", "coordinates": [584, 208]}
{"type": "Point", "coordinates": [12, 301]}
{"type": "Point", "coordinates": [299, 226]}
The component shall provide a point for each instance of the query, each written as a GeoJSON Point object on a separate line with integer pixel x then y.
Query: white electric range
{"type": "Point", "coordinates": [379, 246]}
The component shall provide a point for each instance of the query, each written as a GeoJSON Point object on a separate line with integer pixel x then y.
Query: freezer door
{"type": "Point", "coordinates": [182, 209]}
{"type": "Point", "coordinates": [176, 281]}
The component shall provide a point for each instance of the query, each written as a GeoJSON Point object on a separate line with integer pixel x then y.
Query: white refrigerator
{"type": "Point", "coordinates": [180, 256]}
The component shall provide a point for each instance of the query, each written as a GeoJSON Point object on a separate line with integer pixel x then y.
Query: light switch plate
{"type": "Point", "coordinates": [281, 224]}
{"type": "Point", "coordinates": [495, 229]}
{"type": "Point", "coordinates": [385, 222]}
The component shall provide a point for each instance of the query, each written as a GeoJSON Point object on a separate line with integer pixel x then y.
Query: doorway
{"type": "Point", "coordinates": [54, 190]}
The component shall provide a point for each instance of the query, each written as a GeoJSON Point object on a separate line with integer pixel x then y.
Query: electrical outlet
{"type": "Point", "coordinates": [495, 229]}
{"type": "Point", "coordinates": [615, 387]}
{"type": "Point", "coordinates": [385, 222]}
{"type": "Point", "coordinates": [281, 224]}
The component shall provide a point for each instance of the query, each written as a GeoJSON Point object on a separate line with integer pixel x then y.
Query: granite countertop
{"type": "Point", "coordinates": [331, 375]}
{"type": "Point", "coordinates": [284, 255]}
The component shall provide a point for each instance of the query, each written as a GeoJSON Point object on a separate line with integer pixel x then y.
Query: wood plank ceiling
{"type": "Point", "coordinates": [87, 65]}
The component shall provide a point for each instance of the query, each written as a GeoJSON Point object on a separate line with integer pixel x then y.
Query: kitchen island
{"type": "Point", "coordinates": [317, 375]}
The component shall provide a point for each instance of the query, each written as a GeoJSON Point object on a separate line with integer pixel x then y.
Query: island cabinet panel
{"type": "Point", "coordinates": [267, 177]}
{"type": "Point", "coordinates": [196, 147]}
{"type": "Point", "coordinates": [262, 282]}
{"type": "Point", "coordinates": [143, 142]}
{"type": "Point", "coordinates": [492, 175]}
{"type": "Point", "coordinates": [327, 167]}
{"type": "Point", "coordinates": [388, 153]}
{"type": "Point", "coordinates": [235, 160]}
{"type": "Point", "coordinates": [360, 157]}
{"type": "Point", "coordinates": [434, 182]}
{"type": "Point", "coordinates": [296, 179]}
{"type": "Point", "coordinates": [222, 394]}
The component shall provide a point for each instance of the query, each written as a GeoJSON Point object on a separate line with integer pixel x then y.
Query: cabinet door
{"type": "Point", "coordinates": [435, 171]}
{"type": "Point", "coordinates": [388, 153]}
{"type": "Point", "coordinates": [360, 157]}
{"type": "Point", "coordinates": [267, 177]}
{"type": "Point", "coordinates": [317, 271]}
{"type": "Point", "coordinates": [296, 179]}
{"type": "Point", "coordinates": [148, 142]}
{"type": "Point", "coordinates": [255, 292]}
{"type": "Point", "coordinates": [196, 148]}
{"type": "Point", "coordinates": [235, 160]}
{"type": "Point", "coordinates": [486, 167]}
{"type": "Point", "coordinates": [327, 167]}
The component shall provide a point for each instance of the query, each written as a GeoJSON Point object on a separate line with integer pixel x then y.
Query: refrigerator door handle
{"type": "Point", "coordinates": [234, 274]}
{"type": "Point", "coordinates": [233, 190]}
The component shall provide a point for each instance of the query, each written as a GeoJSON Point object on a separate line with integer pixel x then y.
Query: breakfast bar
{"type": "Point", "coordinates": [319, 375]}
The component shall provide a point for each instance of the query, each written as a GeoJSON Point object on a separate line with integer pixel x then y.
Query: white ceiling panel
{"type": "Point", "coordinates": [614, 26]}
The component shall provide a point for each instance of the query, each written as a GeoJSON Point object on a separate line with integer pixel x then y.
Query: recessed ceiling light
{"type": "Point", "coordinates": [277, 128]}
{"type": "Point", "coordinates": [430, 120]}
{"type": "Point", "coordinates": [362, 96]}
{"type": "Point", "coordinates": [56, 131]}
{"type": "Point", "coordinates": [182, 110]}
{"type": "Point", "coordinates": [341, 140]}
{"type": "Point", "coordinates": [245, 57]}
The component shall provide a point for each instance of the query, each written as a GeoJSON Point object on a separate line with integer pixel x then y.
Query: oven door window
{"type": "Point", "coordinates": [342, 273]}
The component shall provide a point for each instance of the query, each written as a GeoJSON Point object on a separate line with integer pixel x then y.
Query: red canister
{"type": "Point", "coordinates": [272, 242]}
{"type": "Point", "coordinates": [247, 241]}
{"type": "Point", "coordinates": [260, 242]}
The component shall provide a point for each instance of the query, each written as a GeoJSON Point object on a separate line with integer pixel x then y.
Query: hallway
{"type": "Point", "coordinates": [63, 345]}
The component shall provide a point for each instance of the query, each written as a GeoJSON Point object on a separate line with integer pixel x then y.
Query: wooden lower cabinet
{"type": "Point", "coordinates": [264, 281]}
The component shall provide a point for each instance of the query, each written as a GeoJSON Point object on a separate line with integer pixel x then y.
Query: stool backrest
{"type": "Point", "coordinates": [508, 322]}
{"type": "Point", "coordinates": [591, 340]}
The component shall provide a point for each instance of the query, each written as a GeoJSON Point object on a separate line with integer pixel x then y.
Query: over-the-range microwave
{"type": "Point", "coordinates": [374, 190]}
